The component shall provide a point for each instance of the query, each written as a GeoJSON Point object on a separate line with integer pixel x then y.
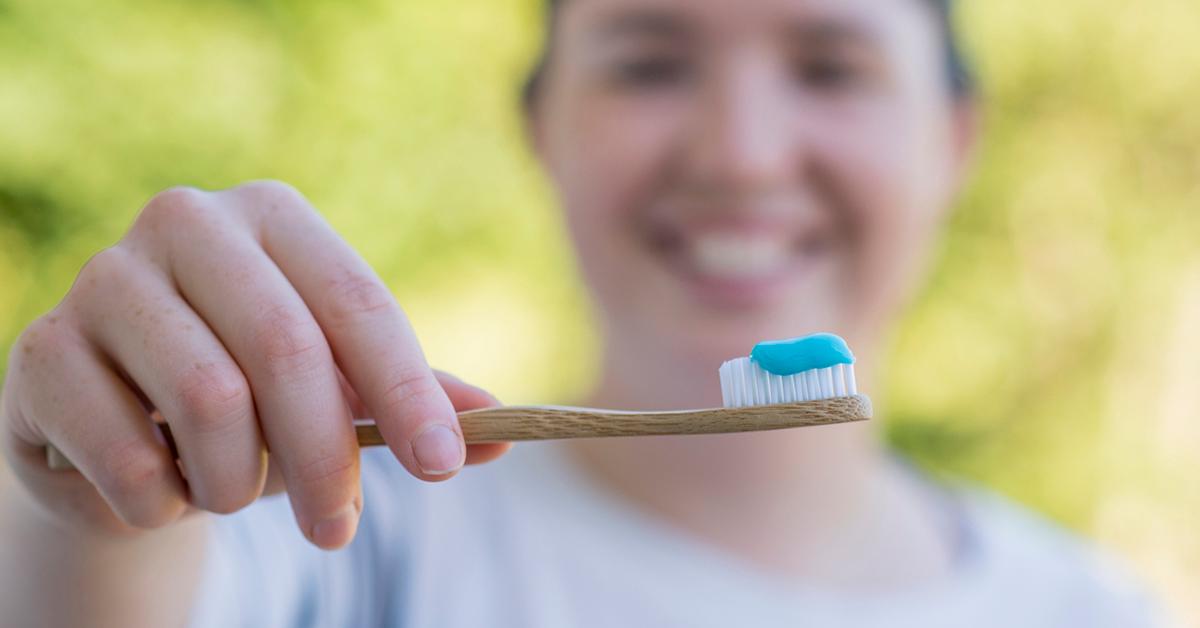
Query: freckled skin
{"type": "Point", "coordinates": [239, 366]}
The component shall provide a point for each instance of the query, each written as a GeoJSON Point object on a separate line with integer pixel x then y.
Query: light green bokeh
{"type": "Point", "coordinates": [1051, 356]}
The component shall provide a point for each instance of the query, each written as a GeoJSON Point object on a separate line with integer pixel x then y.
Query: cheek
{"type": "Point", "coordinates": [608, 151]}
{"type": "Point", "coordinates": [605, 157]}
{"type": "Point", "coordinates": [883, 170]}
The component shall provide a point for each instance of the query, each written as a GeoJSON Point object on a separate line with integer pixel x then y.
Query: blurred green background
{"type": "Point", "coordinates": [1052, 356]}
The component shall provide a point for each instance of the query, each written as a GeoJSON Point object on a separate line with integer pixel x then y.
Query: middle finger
{"type": "Point", "coordinates": [254, 310]}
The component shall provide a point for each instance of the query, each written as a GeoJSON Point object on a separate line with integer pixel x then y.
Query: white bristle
{"type": "Point", "coordinates": [744, 383]}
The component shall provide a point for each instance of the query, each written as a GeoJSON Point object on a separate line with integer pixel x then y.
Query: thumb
{"type": "Point", "coordinates": [465, 396]}
{"type": "Point", "coordinates": [462, 395]}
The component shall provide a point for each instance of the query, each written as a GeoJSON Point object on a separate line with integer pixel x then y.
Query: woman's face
{"type": "Point", "coordinates": [738, 171]}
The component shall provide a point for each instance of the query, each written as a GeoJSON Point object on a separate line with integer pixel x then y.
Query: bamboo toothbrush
{"type": "Point", "coordinates": [786, 383]}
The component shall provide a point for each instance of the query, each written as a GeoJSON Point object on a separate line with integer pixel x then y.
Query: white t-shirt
{"type": "Point", "coordinates": [530, 542]}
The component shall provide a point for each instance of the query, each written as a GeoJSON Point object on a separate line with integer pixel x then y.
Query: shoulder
{"type": "Point", "coordinates": [1055, 573]}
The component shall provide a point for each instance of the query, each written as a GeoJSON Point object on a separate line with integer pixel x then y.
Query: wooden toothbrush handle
{"type": "Point", "coordinates": [518, 423]}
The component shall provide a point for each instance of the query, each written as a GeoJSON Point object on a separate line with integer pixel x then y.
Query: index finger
{"type": "Point", "coordinates": [372, 340]}
{"type": "Point", "coordinates": [217, 265]}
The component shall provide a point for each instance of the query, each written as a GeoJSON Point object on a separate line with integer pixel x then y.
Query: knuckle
{"type": "Point", "coordinates": [355, 296]}
{"type": "Point", "coordinates": [46, 338]}
{"type": "Point", "coordinates": [409, 386]}
{"type": "Point", "coordinates": [329, 469]}
{"type": "Point", "coordinates": [178, 195]}
{"type": "Point", "coordinates": [273, 195]}
{"type": "Point", "coordinates": [132, 469]}
{"type": "Point", "coordinates": [179, 205]}
{"type": "Point", "coordinates": [106, 271]}
{"type": "Point", "coordinates": [214, 397]}
{"type": "Point", "coordinates": [289, 342]}
{"type": "Point", "coordinates": [33, 339]}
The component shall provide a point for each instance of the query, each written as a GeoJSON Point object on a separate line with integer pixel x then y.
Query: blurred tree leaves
{"type": "Point", "coordinates": [32, 214]}
{"type": "Point", "coordinates": [1043, 357]}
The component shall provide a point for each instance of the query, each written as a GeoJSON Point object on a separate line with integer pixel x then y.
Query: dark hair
{"type": "Point", "coordinates": [960, 80]}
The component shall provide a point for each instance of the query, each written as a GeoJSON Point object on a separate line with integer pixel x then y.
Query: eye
{"type": "Point", "coordinates": [826, 73]}
{"type": "Point", "coordinates": [651, 71]}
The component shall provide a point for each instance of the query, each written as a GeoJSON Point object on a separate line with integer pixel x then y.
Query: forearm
{"type": "Point", "coordinates": [54, 576]}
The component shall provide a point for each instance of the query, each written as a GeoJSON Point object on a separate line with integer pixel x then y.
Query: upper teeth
{"type": "Point", "coordinates": [738, 256]}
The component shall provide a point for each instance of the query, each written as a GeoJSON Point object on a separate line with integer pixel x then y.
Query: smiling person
{"type": "Point", "coordinates": [729, 172]}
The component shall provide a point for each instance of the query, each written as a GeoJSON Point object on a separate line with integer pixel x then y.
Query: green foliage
{"type": "Point", "coordinates": [1048, 356]}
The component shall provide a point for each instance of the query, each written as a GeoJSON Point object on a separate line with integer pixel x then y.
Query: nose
{"type": "Point", "coordinates": [740, 140]}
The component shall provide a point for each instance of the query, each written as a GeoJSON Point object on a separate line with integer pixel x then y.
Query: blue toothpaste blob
{"type": "Point", "coordinates": [788, 357]}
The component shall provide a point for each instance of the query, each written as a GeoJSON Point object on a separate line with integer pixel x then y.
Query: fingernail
{"type": "Point", "coordinates": [331, 531]}
{"type": "Point", "coordinates": [438, 450]}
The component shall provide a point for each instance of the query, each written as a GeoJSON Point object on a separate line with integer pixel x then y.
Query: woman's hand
{"type": "Point", "coordinates": [244, 321]}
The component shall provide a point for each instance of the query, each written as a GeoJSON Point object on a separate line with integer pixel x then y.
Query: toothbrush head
{"type": "Point", "coordinates": [808, 368]}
